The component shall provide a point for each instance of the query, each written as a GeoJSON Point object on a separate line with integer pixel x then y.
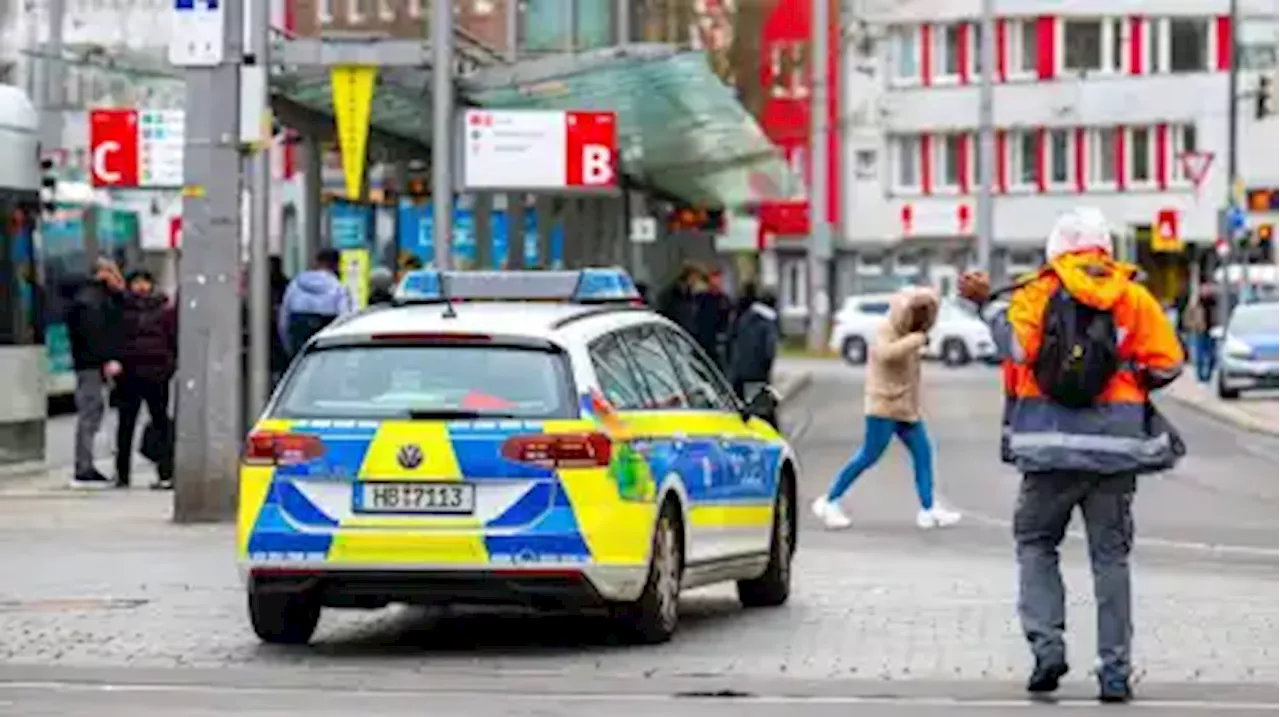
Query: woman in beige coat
{"type": "Point", "coordinates": [893, 408]}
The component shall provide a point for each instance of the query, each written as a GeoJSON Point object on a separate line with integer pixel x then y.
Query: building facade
{"type": "Point", "coordinates": [1117, 104]}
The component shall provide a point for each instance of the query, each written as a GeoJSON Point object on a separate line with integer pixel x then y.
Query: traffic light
{"type": "Point", "coordinates": [1266, 100]}
{"type": "Point", "coordinates": [48, 185]}
{"type": "Point", "coordinates": [695, 219]}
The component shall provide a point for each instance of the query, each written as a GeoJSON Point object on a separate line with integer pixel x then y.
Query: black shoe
{"type": "Point", "coordinates": [1114, 689]}
{"type": "Point", "coordinates": [93, 479]}
{"type": "Point", "coordinates": [1046, 676]}
{"type": "Point", "coordinates": [122, 482]}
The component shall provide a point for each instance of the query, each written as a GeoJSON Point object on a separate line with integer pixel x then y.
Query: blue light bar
{"type": "Point", "coordinates": [583, 286]}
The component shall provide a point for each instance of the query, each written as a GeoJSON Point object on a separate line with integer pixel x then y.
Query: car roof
{"type": "Point", "coordinates": [535, 320]}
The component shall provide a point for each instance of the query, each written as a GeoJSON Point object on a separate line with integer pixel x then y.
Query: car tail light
{"type": "Point", "coordinates": [560, 450]}
{"type": "Point", "coordinates": [281, 449]}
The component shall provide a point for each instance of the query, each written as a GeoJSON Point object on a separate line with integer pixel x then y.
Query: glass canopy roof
{"type": "Point", "coordinates": [681, 129]}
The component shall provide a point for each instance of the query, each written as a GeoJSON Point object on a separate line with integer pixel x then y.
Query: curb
{"type": "Point", "coordinates": [1225, 414]}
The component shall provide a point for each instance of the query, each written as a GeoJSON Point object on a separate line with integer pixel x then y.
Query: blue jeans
{"type": "Point", "coordinates": [1206, 354]}
{"type": "Point", "coordinates": [879, 431]}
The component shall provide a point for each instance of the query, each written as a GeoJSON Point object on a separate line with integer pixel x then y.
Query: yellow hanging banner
{"type": "Point", "coordinates": [352, 107]}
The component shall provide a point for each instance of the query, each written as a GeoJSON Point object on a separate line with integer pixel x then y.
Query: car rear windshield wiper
{"type": "Point", "coordinates": [443, 414]}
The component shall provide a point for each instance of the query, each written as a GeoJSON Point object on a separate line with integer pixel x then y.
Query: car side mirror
{"type": "Point", "coordinates": [1216, 333]}
{"type": "Point", "coordinates": [764, 404]}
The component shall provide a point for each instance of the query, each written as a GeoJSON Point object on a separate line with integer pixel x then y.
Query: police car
{"type": "Point", "coordinates": [524, 438]}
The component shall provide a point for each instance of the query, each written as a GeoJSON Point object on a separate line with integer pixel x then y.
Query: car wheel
{"type": "Point", "coordinates": [1228, 394]}
{"type": "Point", "coordinates": [283, 618]}
{"type": "Point", "coordinates": [774, 587]}
{"type": "Point", "coordinates": [955, 353]}
{"type": "Point", "coordinates": [854, 350]}
{"type": "Point", "coordinates": [652, 619]}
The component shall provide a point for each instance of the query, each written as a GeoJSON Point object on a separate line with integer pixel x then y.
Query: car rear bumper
{"type": "Point", "coordinates": [540, 587]}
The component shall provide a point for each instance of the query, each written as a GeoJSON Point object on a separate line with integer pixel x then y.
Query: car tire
{"type": "Point", "coordinates": [283, 618]}
{"type": "Point", "coordinates": [652, 619]}
{"type": "Point", "coordinates": [1227, 394]}
{"type": "Point", "coordinates": [774, 587]}
{"type": "Point", "coordinates": [854, 350]}
{"type": "Point", "coordinates": [955, 353]}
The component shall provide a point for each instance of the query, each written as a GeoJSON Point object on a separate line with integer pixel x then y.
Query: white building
{"type": "Point", "coordinates": [1110, 103]}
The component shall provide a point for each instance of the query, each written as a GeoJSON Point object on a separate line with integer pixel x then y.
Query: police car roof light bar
{"type": "Point", "coordinates": [583, 286]}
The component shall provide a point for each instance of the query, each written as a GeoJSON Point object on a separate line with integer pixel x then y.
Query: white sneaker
{"type": "Point", "coordinates": [936, 517]}
{"type": "Point", "coordinates": [830, 514]}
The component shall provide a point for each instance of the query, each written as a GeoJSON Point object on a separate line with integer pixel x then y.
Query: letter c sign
{"type": "Point", "coordinates": [104, 175]}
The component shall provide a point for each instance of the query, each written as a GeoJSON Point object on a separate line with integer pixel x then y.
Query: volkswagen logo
{"type": "Point", "coordinates": [409, 456]}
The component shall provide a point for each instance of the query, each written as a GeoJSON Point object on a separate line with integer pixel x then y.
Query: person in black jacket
{"type": "Point", "coordinates": [149, 358]}
{"type": "Point", "coordinates": [754, 348]}
{"type": "Point", "coordinates": [93, 328]}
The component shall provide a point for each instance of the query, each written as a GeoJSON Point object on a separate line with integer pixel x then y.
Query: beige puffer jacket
{"type": "Point", "coordinates": [893, 364]}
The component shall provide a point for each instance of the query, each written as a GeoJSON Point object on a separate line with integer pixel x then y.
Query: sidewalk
{"type": "Point", "coordinates": [1259, 413]}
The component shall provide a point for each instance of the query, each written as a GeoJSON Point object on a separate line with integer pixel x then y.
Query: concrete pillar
{"type": "Point", "coordinates": [515, 231]}
{"type": "Point", "coordinates": [483, 211]}
{"type": "Point", "coordinates": [312, 207]}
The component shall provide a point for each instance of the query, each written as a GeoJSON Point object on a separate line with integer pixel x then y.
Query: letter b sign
{"type": "Point", "coordinates": [597, 165]}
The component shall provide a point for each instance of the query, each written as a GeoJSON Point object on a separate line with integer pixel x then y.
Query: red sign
{"type": "Point", "coordinates": [906, 216]}
{"type": "Point", "coordinates": [591, 149]}
{"type": "Point", "coordinates": [175, 232]}
{"type": "Point", "coordinates": [962, 217]}
{"type": "Point", "coordinates": [113, 148]}
{"type": "Point", "coordinates": [1166, 237]}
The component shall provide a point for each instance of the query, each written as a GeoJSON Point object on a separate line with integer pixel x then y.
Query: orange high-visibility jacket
{"type": "Point", "coordinates": [1115, 436]}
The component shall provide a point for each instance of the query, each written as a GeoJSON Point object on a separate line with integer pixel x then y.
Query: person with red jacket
{"type": "Point", "coordinates": [148, 358]}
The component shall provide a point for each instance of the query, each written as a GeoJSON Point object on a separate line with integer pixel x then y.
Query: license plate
{"type": "Point", "coordinates": [424, 498]}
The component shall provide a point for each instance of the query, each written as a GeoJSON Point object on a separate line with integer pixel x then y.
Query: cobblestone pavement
{"type": "Point", "coordinates": [102, 579]}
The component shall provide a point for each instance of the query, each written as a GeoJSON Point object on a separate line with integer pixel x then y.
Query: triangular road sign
{"type": "Point", "coordinates": [352, 107]}
{"type": "Point", "coordinates": [1196, 165]}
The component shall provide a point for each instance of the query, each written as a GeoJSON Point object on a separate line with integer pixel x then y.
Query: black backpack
{"type": "Point", "coordinates": [1078, 352]}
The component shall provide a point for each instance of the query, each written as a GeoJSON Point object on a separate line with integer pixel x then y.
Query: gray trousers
{"type": "Point", "coordinates": [90, 407]}
{"type": "Point", "coordinates": [1045, 504]}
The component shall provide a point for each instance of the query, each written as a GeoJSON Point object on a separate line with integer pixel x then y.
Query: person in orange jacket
{"type": "Point", "coordinates": [1083, 344]}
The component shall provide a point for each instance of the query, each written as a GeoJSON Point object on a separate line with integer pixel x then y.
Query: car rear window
{"type": "Point", "coordinates": [404, 381]}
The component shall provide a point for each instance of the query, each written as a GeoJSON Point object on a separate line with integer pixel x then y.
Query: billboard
{"type": "Point", "coordinates": [539, 150]}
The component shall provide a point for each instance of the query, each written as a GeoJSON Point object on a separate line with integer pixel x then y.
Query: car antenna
{"type": "Point", "coordinates": [449, 312]}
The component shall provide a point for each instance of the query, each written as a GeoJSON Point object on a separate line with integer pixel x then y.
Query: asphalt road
{"type": "Point", "coordinates": [107, 608]}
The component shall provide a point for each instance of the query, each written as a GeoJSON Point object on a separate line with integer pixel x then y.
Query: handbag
{"type": "Point", "coordinates": [157, 443]}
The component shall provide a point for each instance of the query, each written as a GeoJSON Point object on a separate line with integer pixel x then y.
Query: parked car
{"type": "Point", "coordinates": [1250, 350]}
{"type": "Point", "coordinates": [957, 338]}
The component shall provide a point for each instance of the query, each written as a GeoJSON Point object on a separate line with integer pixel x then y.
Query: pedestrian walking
{"type": "Point", "coordinates": [278, 356]}
{"type": "Point", "coordinates": [1198, 321]}
{"type": "Point", "coordinates": [93, 325]}
{"type": "Point", "coordinates": [1083, 344]}
{"type": "Point", "coordinates": [892, 407]}
{"type": "Point", "coordinates": [149, 358]}
{"type": "Point", "coordinates": [754, 346]}
{"type": "Point", "coordinates": [312, 301]}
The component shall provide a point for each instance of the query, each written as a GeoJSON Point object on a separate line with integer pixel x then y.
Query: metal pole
{"type": "Point", "coordinates": [442, 132]}
{"type": "Point", "coordinates": [259, 165]}
{"type": "Point", "coordinates": [513, 30]}
{"type": "Point", "coordinates": [1233, 167]}
{"type": "Point", "coordinates": [819, 249]}
{"type": "Point", "coordinates": [52, 83]}
{"type": "Point", "coordinates": [209, 430]}
{"type": "Point", "coordinates": [622, 21]}
{"type": "Point", "coordinates": [986, 210]}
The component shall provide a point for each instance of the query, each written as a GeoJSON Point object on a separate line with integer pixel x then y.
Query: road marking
{"type": "Point", "coordinates": [988, 703]}
{"type": "Point", "coordinates": [1191, 546]}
